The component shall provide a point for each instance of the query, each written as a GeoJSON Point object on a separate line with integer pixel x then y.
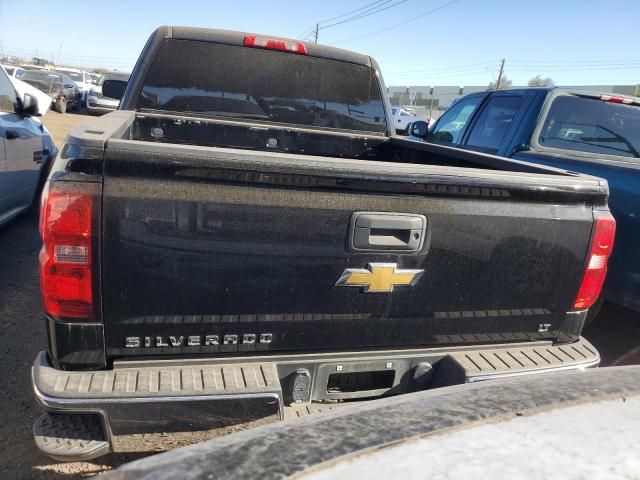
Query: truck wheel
{"type": "Point", "coordinates": [61, 105]}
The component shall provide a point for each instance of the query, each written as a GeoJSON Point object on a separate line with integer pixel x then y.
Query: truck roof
{"type": "Point", "coordinates": [231, 37]}
{"type": "Point", "coordinates": [586, 93]}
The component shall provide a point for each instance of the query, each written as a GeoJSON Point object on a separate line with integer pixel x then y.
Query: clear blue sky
{"type": "Point", "coordinates": [573, 42]}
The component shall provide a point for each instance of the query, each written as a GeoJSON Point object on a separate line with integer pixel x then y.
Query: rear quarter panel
{"type": "Point", "coordinates": [623, 279]}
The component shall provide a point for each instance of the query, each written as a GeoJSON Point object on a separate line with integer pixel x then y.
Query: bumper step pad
{"type": "Point", "coordinates": [70, 437]}
{"type": "Point", "coordinates": [522, 360]}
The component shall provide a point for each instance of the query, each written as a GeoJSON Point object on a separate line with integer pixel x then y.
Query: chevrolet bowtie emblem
{"type": "Point", "coordinates": [379, 278]}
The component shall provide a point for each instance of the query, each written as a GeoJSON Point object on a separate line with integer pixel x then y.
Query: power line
{"type": "Point", "coordinates": [576, 61]}
{"type": "Point", "coordinates": [573, 69]}
{"type": "Point", "coordinates": [367, 13]}
{"type": "Point", "coordinates": [306, 32]}
{"type": "Point", "coordinates": [432, 77]}
{"type": "Point", "coordinates": [313, 28]}
{"type": "Point", "coordinates": [354, 11]}
{"type": "Point", "coordinates": [587, 65]}
{"type": "Point", "coordinates": [457, 67]}
{"type": "Point", "coordinates": [28, 52]}
{"type": "Point", "coordinates": [430, 12]}
{"type": "Point", "coordinates": [452, 74]}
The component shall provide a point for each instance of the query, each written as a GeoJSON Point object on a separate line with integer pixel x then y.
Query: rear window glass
{"type": "Point", "coordinates": [593, 126]}
{"type": "Point", "coordinates": [240, 82]}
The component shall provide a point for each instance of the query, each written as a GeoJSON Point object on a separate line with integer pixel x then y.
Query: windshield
{"type": "Point", "coordinates": [77, 77]}
{"type": "Point", "coordinates": [40, 75]}
{"type": "Point", "coordinates": [113, 76]}
{"type": "Point", "coordinates": [592, 125]}
{"type": "Point", "coordinates": [231, 81]}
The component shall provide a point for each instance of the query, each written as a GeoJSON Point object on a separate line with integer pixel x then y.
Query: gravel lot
{"type": "Point", "coordinates": [616, 334]}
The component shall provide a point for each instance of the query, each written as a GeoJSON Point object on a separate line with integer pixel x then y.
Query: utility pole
{"type": "Point", "coordinates": [500, 75]}
{"type": "Point", "coordinates": [316, 31]}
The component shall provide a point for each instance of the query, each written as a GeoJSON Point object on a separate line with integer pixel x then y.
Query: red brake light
{"type": "Point", "coordinates": [612, 99]}
{"type": "Point", "coordinates": [270, 43]}
{"type": "Point", "coordinates": [67, 258]}
{"type": "Point", "coordinates": [596, 269]}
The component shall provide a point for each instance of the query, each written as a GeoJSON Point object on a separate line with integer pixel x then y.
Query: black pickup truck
{"type": "Point", "coordinates": [246, 240]}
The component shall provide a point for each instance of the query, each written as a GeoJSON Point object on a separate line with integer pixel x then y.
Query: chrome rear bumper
{"type": "Point", "coordinates": [163, 404]}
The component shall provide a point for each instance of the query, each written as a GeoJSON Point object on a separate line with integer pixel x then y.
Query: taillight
{"type": "Point", "coordinates": [269, 43]}
{"type": "Point", "coordinates": [613, 99]}
{"type": "Point", "coordinates": [596, 268]}
{"type": "Point", "coordinates": [69, 216]}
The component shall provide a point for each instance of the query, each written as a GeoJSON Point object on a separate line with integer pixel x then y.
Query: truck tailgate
{"type": "Point", "coordinates": [216, 251]}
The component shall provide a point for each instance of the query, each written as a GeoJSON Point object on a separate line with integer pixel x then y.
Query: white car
{"type": "Point", "coordinates": [97, 104]}
{"type": "Point", "coordinates": [403, 117]}
{"type": "Point", "coordinates": [82, 78]}
{"type": "Point", "coordinates": [13, 71]}
{"type": "Point", "coordinates": [26, 147]}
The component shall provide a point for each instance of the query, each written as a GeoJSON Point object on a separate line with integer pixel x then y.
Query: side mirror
{"type": "Point", "coordinates": [113, 89]}
{"type": "Point", "coordinates": [419, 129]}
{"type": "Point", "coordinates": [28, 106]}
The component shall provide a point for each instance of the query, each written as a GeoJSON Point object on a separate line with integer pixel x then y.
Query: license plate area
{"type": "Point", "coordinates": [360, 381]}
{"type": "Point", "coordinates": [352, 380]}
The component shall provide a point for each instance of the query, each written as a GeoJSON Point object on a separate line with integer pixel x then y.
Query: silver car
{"type": "Point", "coordinates": [26, 150]}
{"type": "Point", "coordinates": [97, 104]}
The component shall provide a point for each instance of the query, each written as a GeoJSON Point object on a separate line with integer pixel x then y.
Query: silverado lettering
{"type": "Point", "coordinates": [197, 340]}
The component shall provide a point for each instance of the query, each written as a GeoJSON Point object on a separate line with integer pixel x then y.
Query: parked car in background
{"type": "Point", "coordinates": [60, 87]}
{"type": "Point", "coordinates": [26, 148]}
{"type": "Point", "coordinates": [35, 67]}
{"type": "Point", "coordinates": [82, 78]}
{"type": "Point", "coordinates": [97, 103]}
{"type": "Point", "coordinates": [593, 133]}
{"type": "Point", "coordinates": [403, 117]}
{"type": "Point", "coordinates": [95, 78]}
{"type": "Point", "coordinates": [13, 70]}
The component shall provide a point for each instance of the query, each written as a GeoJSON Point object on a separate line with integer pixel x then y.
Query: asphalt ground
{"type": "Point", "coordinates": [616, 334]}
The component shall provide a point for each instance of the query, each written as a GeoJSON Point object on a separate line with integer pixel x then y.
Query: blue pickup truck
{"type": "Point", "coordinates": [593, 133]}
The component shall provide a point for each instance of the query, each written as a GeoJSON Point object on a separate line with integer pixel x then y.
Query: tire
{"type": "Point", "coordinates": [61, 105]}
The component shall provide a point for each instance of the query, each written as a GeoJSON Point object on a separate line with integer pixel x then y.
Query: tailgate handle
{"type": "Point", "coordinates": [387, 231]}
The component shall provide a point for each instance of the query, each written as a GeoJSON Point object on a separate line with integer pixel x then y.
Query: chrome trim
{"type": "Point", "coordinates": [583, 366]}
{"type": "Point", "coordinates": [62, 403]}
{"type": "Point", "coordinates": [102, 406]}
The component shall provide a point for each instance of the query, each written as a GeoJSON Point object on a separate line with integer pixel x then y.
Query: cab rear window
{"type": "Point", "coordinates": [592, 125]}
{"type": "Point", "coordinates": [263, 85]}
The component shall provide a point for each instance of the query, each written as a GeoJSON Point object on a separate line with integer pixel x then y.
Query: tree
{"type": "Point", "coordinates": [504, 84]}
{"type": "Point", "coordinates": [538, 81]}
{"type": "Point", "coordinates": [100, 71]}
